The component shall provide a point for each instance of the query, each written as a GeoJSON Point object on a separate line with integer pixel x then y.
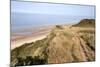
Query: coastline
{"type": "Point", "coordinates": [18, 39]}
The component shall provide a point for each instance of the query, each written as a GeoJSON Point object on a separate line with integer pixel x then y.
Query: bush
{"type": "Point", "coordinates": [29, 60]}
{"type": "Point", "coordinates": [59, 27]}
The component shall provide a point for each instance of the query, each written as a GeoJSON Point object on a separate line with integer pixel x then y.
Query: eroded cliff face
{"type": "Point", "coordinates": [64, 44]}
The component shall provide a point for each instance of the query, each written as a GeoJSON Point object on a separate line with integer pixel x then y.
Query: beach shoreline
{"type": "Point", "coordinates": [18, 39]}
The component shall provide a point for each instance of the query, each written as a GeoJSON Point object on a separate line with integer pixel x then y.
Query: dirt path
{"type": "Point", "coordinates": [63, 49]}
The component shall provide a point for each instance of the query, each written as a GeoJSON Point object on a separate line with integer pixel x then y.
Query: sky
{"type": "Point", "coordinates": [52, 9]}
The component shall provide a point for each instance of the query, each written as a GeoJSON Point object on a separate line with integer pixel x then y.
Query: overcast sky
{"type": "Point", "coordinates": [48, 8]}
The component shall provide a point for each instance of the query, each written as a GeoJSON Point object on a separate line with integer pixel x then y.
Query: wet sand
{"type": "Point", "coordinates": [19, 38]}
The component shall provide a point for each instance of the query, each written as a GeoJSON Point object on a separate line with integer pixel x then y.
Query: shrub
{"type": "Point", "coordinates": [29, 60]}
{"type": "Point", "coordinates": [59, 27]}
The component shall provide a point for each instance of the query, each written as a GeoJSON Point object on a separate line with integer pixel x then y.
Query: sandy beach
{"type": "Point", "coordinates": [19, 38]}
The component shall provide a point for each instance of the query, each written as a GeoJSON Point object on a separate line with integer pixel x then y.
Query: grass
{"type": "Point", "coordinates": [28, 49]}
{"type": "Point", "coordinates": [62, 46]}
{"type": "Point", "coordinates": [90, 40]}
{"type": "Point", "coordinates": [29, 60]}
{"type": "Point", "coordinates": [86, 23]}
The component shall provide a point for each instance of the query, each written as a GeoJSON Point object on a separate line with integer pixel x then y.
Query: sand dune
{"type": "Point", "coordinates": [64, 44]}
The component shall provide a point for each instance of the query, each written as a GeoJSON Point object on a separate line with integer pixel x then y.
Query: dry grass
{"type": "Point", "coordinates": [63, 44]}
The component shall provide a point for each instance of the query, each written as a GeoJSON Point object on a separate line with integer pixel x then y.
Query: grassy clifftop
{"type": "Point", "coordinates": [86, 23]}
{"type": "Point", "coordinates": [64, 44]}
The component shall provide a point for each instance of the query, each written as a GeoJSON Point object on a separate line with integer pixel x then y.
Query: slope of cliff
{"type": "Point", "coordinates": [86, 23]}
{"type": "Point", "coordinates": [64, 44]}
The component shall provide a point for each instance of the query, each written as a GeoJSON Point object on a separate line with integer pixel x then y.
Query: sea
{"type": "Point", "coordinates": [20, 21]}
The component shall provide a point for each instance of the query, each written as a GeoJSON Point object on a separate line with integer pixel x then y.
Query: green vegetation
{"type": "Point", "coordinates": [34, 51]}
{"type": "Point", "coordinates": [29, 60]}
{"type": "Point", "coordinates": [60, 46]}
{"type": "Point", "coordinates": [86, 23]}
{"type": "Point", "coordinates": [59, 27]}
